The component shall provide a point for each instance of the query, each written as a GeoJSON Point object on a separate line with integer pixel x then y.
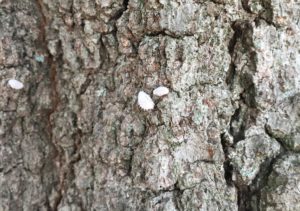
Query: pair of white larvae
{"type": "Point", "coordinates": [146, 102]}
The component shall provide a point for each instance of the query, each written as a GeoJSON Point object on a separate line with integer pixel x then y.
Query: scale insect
{"type": "Point", "coordinates": [145, 101]}
{"type": "Point", "coordinates": [161, 91]}
{"type": "Point", "coordinates": [15, 84]}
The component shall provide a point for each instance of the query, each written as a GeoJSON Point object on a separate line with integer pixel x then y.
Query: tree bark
{"type": "Point", "coordinates": [226, 136]}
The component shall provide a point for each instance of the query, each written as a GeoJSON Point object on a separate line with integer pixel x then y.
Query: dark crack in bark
{"type": "Point", "coordinates": [242, 114]}
{"type": "Point", "coordinates": [54, 96]}
{"type": "Point", "coordinates": [119, 14]}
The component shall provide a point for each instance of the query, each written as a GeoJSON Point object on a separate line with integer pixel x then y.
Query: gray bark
{"type": "Point", "coordinates": [226, 137]}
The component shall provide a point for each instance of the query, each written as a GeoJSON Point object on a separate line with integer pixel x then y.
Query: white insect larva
{"type": "Point", "coordinates": [15, 84]}
{"type": "Point", "coordinates": [145, 101]}
{"type": "Point", "coordinates": [161, 91]}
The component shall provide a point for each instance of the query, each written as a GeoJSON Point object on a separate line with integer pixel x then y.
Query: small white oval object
{"type": "Point", "coordinates": [145, 101]}
{"type": "Point", "coordinates": [15, 84]}
{"type": "Point", "coordinates": [161, 91]}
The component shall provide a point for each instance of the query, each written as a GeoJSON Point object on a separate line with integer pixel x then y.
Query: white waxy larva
{"type": "Point", "coordinates": [161, 91]}
{"type": "Point", "coordinates": [13, 83]}
{"type": "Point", "coordinates": [145, 101]}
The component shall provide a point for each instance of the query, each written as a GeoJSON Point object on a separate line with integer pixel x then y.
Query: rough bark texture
{"type": "Point", "coordinates": [226, 137]}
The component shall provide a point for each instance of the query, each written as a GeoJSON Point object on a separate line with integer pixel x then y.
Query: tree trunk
{"type": "Point", "coordinates": [226, 136]}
